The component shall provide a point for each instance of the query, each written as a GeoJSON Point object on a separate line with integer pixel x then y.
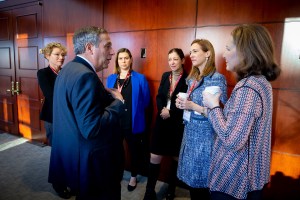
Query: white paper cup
{"type": "Point", "coordinates": [183, 95]}
{"type": "Point", "coordinates": [213, 89]}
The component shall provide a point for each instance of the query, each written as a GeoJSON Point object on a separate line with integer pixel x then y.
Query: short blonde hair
{"type": "Point", "coordinates": [47, 50]}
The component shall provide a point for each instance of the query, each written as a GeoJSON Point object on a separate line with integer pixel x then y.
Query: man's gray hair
{"type": "Point", "coordinates": [86, 35]}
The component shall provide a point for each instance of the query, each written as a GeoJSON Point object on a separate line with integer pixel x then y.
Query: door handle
{"type": "Point", "coordinates": [18, 91]}
{"type": "Point", "coordinates": [13, 90]}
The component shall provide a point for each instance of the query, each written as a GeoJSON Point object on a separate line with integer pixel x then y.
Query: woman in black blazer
{"type": "Point", "coordinates": [168, 130]}
{"type": "Point", "coordinates": [55, 54]}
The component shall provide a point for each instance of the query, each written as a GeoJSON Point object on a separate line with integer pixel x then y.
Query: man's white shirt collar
{"type": "Point", "coordinates": [87, 62]}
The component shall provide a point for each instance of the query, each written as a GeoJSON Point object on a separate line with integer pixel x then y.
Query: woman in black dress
{"type": "Point", "coordinates": [168, 130]}
{"type": "Point", "coordinates": [55, 53]}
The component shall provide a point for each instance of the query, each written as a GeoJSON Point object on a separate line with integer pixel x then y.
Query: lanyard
{"type": "Point", "coordinates": [55, 72]}
{"type": "Point", "coordinates": [118, 83]}
{"type": "Point", "coordinates": [170, 79]}
{"type": "Point", "coordinates": [192, 88]}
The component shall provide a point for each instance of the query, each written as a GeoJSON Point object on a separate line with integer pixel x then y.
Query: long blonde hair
{"type": "Point", "coordinates": [210, 65]}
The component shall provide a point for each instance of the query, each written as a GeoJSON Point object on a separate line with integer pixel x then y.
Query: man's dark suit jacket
{"type": "Point", "coordinates": [46, 78]}
{"type": "Point", "coordinates": [87, 151]}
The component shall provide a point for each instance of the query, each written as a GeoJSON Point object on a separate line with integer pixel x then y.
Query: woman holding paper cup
{"type": "Point", "coordinates": [198, 138]}
{"type": "Point", "coordinates": [168, 130]}
{"type": "Point", "coordinates": [240, 165]}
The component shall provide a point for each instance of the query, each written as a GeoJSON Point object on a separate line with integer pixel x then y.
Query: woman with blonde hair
{"type": "Point", "coordinates": [55, 53]}
{"type": "Point", "coordinates": [199, 136]}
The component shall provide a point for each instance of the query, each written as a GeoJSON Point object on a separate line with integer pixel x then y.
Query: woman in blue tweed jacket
{"type": "Point", "coordinates": [240, 164]}
{"type": "Point", "coordinates": [198, 137]}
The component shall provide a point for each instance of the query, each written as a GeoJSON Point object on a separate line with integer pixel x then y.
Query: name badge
{"type": "Point", "coordinates": [186, 115]}
{"type": "Point", "coordinates": [196, 113]}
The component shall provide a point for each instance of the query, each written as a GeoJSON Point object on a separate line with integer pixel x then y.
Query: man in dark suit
{"type": "Point", "coordinates": [87, 152]}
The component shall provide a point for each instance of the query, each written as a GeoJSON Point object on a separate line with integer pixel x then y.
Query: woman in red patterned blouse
{"type": "Point", "coordinates": [240, 165]}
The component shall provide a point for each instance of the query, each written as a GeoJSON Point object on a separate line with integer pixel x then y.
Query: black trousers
{"type": "Point", "coordinates": [199, 193]}
{"type": "Point", "coordinates": [136, 147]}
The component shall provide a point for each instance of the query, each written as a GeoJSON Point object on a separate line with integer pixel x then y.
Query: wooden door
{"type": "Point", "coordinates": [8, 106]}
{"type": "Point", "coordinates": [20, 42]}
{"type": "Point", "coordinates": [27, 42]}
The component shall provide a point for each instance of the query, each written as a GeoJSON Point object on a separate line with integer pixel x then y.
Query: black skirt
{"type": "Point", "coordinates": [166, 137]}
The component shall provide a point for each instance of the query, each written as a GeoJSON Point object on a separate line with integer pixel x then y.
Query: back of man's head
{"type": "Point", "coordinates": [86, 35]}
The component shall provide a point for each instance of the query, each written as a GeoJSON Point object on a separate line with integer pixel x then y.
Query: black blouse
{"type": "Point", "coordinates": [127, 95]}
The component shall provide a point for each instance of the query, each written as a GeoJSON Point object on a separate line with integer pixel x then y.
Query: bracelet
{"type": "Point", "coordinates": [215, 107]}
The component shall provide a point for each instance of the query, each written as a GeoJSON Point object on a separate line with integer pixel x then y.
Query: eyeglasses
{"type": "Point", "coordinates": [57, 54]}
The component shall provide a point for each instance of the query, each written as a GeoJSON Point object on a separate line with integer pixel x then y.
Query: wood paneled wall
{"type": "Point", "coordinates": [161, 25]}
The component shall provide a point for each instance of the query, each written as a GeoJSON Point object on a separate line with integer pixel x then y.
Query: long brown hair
{"type": "Point", "coordinates": [117, 67]}
{"type": "Point", "coordinates": [255, 48]}
{"type": "Point", "coordinates": [210, 65]}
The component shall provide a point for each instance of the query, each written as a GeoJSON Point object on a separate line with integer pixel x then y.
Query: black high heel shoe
{"type": "Point", "coordinates": [130, 188]}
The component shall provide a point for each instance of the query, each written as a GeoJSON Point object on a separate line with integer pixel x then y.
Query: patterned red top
{"type": "Point", "coordinates": [241, 154]}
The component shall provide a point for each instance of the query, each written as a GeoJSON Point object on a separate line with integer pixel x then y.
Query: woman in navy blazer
{"type": "Point", "coordinates": [135, 90]}
{"type": "Point", "coordinates": [55, 54]}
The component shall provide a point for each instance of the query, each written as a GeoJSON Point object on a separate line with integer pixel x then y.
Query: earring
{"type": "Point", "coordinates": [206, 58]}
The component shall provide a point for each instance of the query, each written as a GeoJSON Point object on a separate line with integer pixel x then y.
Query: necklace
{"type": "Point", "coordinates": [171, 89]}
{"type": "Point", "coordinates": [125, 82]}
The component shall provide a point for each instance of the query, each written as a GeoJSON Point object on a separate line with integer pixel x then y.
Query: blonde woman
{"type": "Point", "coordinates": [55, 53]}
{"type": "Point", "coordinates": [198, 137]}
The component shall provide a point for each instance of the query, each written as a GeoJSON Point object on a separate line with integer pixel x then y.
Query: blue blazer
{"type": "Point", "coordinates": [86, 152]}
{"type": "Point", "coordinates": [140, 99]}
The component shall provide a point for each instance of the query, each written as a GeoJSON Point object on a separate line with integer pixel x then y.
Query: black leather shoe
{"type": "Point", "coordinates": [150, 194]}
{"type": "Point", "coordinates": [171, 192]}
{"type": "Point", "coordinates": [130, 188]}
{"type": "Point", "coordinates": [62, 192]}
{"type": "Point", "coordinates": [170, 196]}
